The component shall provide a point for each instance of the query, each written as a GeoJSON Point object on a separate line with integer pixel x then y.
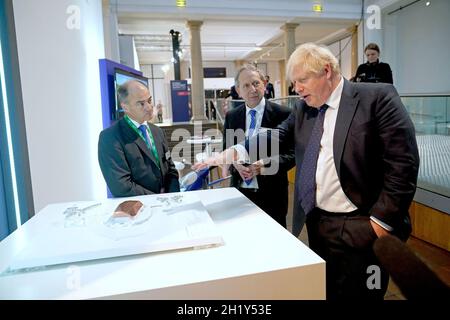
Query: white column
{"type": "Point", "coordinates": [110, 32]}
{"type": "Point", "coordinates": [59, 73]}
{"type": "Point", "coordinates": [197, 90]}
{"type": "Point", "coordinates": [289, 47]}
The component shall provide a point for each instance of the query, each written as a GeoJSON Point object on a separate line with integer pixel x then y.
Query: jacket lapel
{"type": "Point", "coordinates": [347, 108]}
{"type": "Point", "coordinates": [135, 138]}
{"type": "Point", "coordinates": [241, 118]}
{"type": "Point", "coordinates": [158, 144]}
{"type": "Point", "coordinates": [267, 119]}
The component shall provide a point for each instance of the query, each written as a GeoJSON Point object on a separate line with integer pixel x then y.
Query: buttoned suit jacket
{"type": "Point", "coordinates": [374, 148]}
{"type": "Point", "coordinates": [129, 166]}
{"type": "Point", "coordinates": [273, 115]}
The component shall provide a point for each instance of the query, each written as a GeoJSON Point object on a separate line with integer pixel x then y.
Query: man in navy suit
{"type": "Point", "coordinates": [269, 93]}
{"type": "Point", "coordinates": [133, 153]}
{"type": "Point", "coordinates": [260, 188]}
{"type": "Point", "coordinates": [357, 164]}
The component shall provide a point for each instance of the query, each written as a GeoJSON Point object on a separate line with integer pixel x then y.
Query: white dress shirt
{"type": "Point", "coordinates": [258, 117]}
{"type": "Point", "coordinates": [138, 125]}
{"type": "Point", "coordinates": [329, 194]}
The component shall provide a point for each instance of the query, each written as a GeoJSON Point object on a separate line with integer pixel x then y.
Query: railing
{"type": "Point", "coordinates": [430, 114]}
{"type": "Point", "coordinates": [288, 101]}
{"type": "Point", "coordinates": [431, 117]}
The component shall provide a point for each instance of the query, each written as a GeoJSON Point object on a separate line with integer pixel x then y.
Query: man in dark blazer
{"type": "Point", "coordinates": [269, 93]}
{"type": "Point", "coordinates": [133, 153]}
{"type": "Point", "coordinates": [261, 189]}
{"type": "Point", "coordinates": [357, 161]}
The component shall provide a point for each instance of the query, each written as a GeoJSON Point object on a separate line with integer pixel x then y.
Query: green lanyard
{"type": "Point", "coordinates": [152, 145]}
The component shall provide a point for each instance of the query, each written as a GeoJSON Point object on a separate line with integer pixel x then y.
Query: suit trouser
{"type": "Point", "coordinates": [274, 204]}
{"type": "Point", "coordinates": [345, 242]}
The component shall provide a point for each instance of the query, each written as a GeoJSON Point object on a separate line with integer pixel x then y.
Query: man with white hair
{"type": "Point", "coordinates": [357, 165]}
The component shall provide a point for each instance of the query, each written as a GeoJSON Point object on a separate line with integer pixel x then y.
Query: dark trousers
{"type": "Point", "coordinates": [345, 242]}
{"type": "Point", "coordinates": [275, 204]}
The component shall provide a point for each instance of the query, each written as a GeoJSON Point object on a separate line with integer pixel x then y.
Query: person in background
{"type": "Point", "coordinates": [257, 113]}
{"type": "Point", "coordinates": [234, 96]}
{"type": "Point", "coordinates": [159, 111]}
{"type": "Point", "coordinates": [269, 92]}
{"type": "Point", "coordinates": [133, 154]}
{"type": "Point", "coordinates": [357, 165]}
{"type": "Point", "coordinates": [373, 70]}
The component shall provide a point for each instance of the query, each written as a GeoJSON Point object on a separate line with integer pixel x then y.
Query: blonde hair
{"type": "Point", "coordinates": [312, 58]}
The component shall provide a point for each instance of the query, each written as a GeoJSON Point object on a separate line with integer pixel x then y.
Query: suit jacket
{"type": "Point", "coordinates": [269, 93]}
{"type": "Point", "coordinates": [375, 152]}
{"type": "Point", "coordinates": [273, 115]}
{"type": "Point", "coordinates": [129, 167]}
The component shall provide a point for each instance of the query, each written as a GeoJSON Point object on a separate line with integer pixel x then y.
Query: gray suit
{"type": "Point", "coordinates": [129, 167]}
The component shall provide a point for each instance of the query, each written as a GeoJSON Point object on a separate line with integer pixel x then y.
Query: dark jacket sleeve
{"type": "Point", "coordinates": [400, 158]}
{"type": "Point", "coordinates": [387, 74]}
{"type": "Point", "coordinates": [115, 168]}
{"type": "Point", "coordinates": [286, 156]}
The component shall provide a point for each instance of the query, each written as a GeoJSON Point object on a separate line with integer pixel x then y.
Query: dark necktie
{"type": "Point", "coordinates": [307, 177]}
{"type": "Point", "coordinates": [251, 130]}
{"type": "Point", "coordinates": [149, 141]}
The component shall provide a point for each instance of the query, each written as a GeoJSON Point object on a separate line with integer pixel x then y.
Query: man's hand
{"type": "Point", "coordinates": [205, 163]}
{"type": "Point", "coordinates": [248, 172]}
{"type": "Point", "coordinates": [380, 231]}
{"type": "Point", "coordinates": [226, 157]}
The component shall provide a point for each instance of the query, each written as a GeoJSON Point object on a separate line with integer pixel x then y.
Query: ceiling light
{"type": "Point", "coordinates": [317, 7]}
{"type": "Point", "coordinates": [258, 48]}
{"type": "Point", "coordinates": [165, 68]}
{"type": "Point", "coordinates": [181, 3]}
{"type": "Point", "coordinates": [428, 3]}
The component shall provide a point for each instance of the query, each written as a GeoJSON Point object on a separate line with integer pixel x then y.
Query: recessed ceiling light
{"type": "Point", "coordinates": [427, 3]}
{"type": "Point", "coordinates": [317, 7]}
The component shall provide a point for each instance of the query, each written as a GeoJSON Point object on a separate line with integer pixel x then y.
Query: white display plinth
{"type": "Point", "coordinates": [258, 260]}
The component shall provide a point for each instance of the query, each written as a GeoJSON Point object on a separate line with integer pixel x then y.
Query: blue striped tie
{"type": "Point", "coordinates": [307, 177]}
{"type": "Point", "coordinates": [251, 130]}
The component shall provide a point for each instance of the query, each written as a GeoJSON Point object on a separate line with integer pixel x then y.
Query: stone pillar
{"type": "Point", "coordinates": [289, 47]}
{"type": "Point", "coordinates": [197, 90]}
{"type": "Point", "coordinates": [354, 58]}
{"type": "Point", "coordinates": [110, 32]}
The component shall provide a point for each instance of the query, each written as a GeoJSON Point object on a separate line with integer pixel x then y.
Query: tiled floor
{"type": "Point", "coordinates": [436, 258]}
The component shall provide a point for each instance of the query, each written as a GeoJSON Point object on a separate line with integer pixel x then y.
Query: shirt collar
{"type": "Point", "coordinates": [259, 108]}
{"type": "Point", "coordinates": [335, 98]}
{"type": "Point", "coordinates": [136, 124]}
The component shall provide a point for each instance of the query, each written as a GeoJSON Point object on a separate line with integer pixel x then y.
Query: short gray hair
{"type": "Point", "coordinates": [251, 68]}
{"type": "Point", "coordinates": [312, 58]}
{"type": "Point", "coordinates": [123, 90]}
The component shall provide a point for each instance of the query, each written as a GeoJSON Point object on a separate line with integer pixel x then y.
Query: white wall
{"type": "Point", "coordinates": [128, 53]}
{"type": "Point", "coordinates": [417, 47]}
{"type": "Point", "coordinates": [61, 94]}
